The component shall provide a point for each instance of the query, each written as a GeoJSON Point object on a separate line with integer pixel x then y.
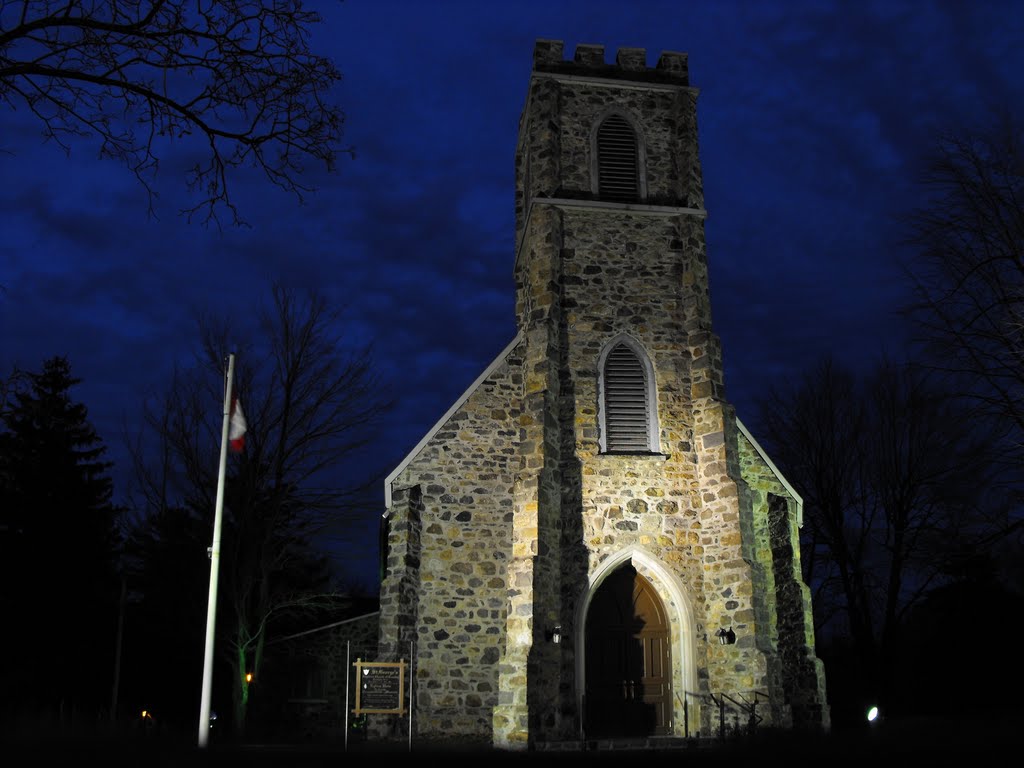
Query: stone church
{"type": "Point", "coordinates": [589, 544]}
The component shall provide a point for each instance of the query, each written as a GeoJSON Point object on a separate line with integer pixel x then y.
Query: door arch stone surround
{"type": "Point", "coordinates": [682, 624]}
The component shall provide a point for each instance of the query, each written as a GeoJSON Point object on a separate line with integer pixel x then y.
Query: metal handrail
{"type": "Point", "coordinates": [746, 706]}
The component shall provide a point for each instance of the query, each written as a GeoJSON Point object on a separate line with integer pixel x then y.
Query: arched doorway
{"type": "Point", "coordinates": [628, 669]}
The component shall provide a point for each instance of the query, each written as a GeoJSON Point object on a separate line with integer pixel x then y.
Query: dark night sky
{"type": "Point", "coordinates": [813, 118]}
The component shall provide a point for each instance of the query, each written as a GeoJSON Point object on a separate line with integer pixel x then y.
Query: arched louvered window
{"type": "Point", "coordinates": [626, 409]}
{"type": "Point", "coordinates": [618, 177]}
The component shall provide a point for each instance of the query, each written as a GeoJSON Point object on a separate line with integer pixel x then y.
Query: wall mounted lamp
{"type": "Point", "coordinates": [555, 634]}
{"type": "Point", "coordinates": [726, 636]}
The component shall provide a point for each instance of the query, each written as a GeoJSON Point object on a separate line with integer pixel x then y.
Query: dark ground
{"type": "Point", "coordinates": [915, 743]}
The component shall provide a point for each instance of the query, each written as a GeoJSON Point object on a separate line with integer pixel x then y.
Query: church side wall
{"type": "Point", "coordinates": [802, 677]}
{"type": "Point", "coordinates": [465, 475]}
{"type": "Point", "coordinates": [762, 482]}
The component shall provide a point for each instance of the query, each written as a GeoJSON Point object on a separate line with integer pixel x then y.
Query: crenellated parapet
{"type": "Point", "coordinates": [630, 63]}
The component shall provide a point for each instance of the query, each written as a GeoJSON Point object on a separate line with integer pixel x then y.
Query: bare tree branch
{"type": "Point", "coordinates": [968, 270]}
{"type": "Point", "coordinates": [896, 479]}
{"type": "Point", "coordinates": [311, 399]}
{"type": "Point", "coordinates": [237, 74]}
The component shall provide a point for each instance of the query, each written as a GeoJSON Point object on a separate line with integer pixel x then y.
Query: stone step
{"type": "Point", "coordinates": [648, 744]}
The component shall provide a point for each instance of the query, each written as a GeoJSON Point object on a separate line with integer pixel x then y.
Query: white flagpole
{"type": "Point", "coordinates": [211, 609]}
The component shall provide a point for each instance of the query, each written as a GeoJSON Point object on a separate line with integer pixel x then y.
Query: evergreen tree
{"type": "Point", "coordinates": [58, 553]}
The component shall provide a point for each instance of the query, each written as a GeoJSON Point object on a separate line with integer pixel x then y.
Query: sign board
{"type": "Point", "coordinates": [380, 687]}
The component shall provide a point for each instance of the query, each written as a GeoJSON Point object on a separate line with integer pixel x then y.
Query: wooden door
{"type": "Point", "coordinates": [628, 669]}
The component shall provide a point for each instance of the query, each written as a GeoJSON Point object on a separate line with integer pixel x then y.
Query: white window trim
{"type": "Point", "coordinates": [653, 430]}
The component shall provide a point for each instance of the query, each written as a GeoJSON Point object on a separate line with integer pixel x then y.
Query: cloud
{"type": "Point", "coordinates": [812, 116]}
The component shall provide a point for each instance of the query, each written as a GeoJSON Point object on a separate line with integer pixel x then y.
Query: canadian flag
{"type": "Point", "coordinates": [237, 427]}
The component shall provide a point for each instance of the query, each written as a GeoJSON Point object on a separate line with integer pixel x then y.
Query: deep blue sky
{"type": "Point", "coordinates": [813, 118]}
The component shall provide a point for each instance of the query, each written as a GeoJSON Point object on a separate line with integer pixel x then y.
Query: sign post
{"type": "Point", "coordinates": [380, 689]}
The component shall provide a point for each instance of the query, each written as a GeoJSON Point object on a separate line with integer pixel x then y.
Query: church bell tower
{"type": "Point", "coordinates": [641, 506]}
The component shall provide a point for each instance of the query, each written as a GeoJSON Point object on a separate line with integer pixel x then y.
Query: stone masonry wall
{"type": "Point", "coordinates": [530, 669]}
{"type": "Point", "coordinates": [652, 501]}
{"type": "Point", "coordinates": [634, 263]}
{"type": "Point", "coordinates": [399, 593]}
{"type": "Point", "coordinates": [802, 673]}
{"type": "Point", "coordinates": [672, 173]}
{"type": "Point", "coordinates": [685, 513]}
{"type": "Point", "coordinates": [642, 272]}
{"type": "Point", "coordinates": [464, 476]}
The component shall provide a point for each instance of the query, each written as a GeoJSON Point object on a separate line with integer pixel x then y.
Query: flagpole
{"type": "Point", "coordinates": [211, 609]}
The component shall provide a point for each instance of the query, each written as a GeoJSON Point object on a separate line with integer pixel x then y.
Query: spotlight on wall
{"type": "Point", "coordinates": [555, 634]}
{"type": "Point", "coordinates": [726, 636]}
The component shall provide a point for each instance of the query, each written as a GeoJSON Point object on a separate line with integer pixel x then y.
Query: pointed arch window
{"type": "Point", "coordinates": [618, 174]}
{"type": "Point", "coordinates": [628, 413]}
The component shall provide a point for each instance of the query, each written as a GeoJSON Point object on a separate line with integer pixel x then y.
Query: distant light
{"type": "Point", "coordinates": [872, 714]}
{"type": "Point", "coordinates": [248, 677]}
